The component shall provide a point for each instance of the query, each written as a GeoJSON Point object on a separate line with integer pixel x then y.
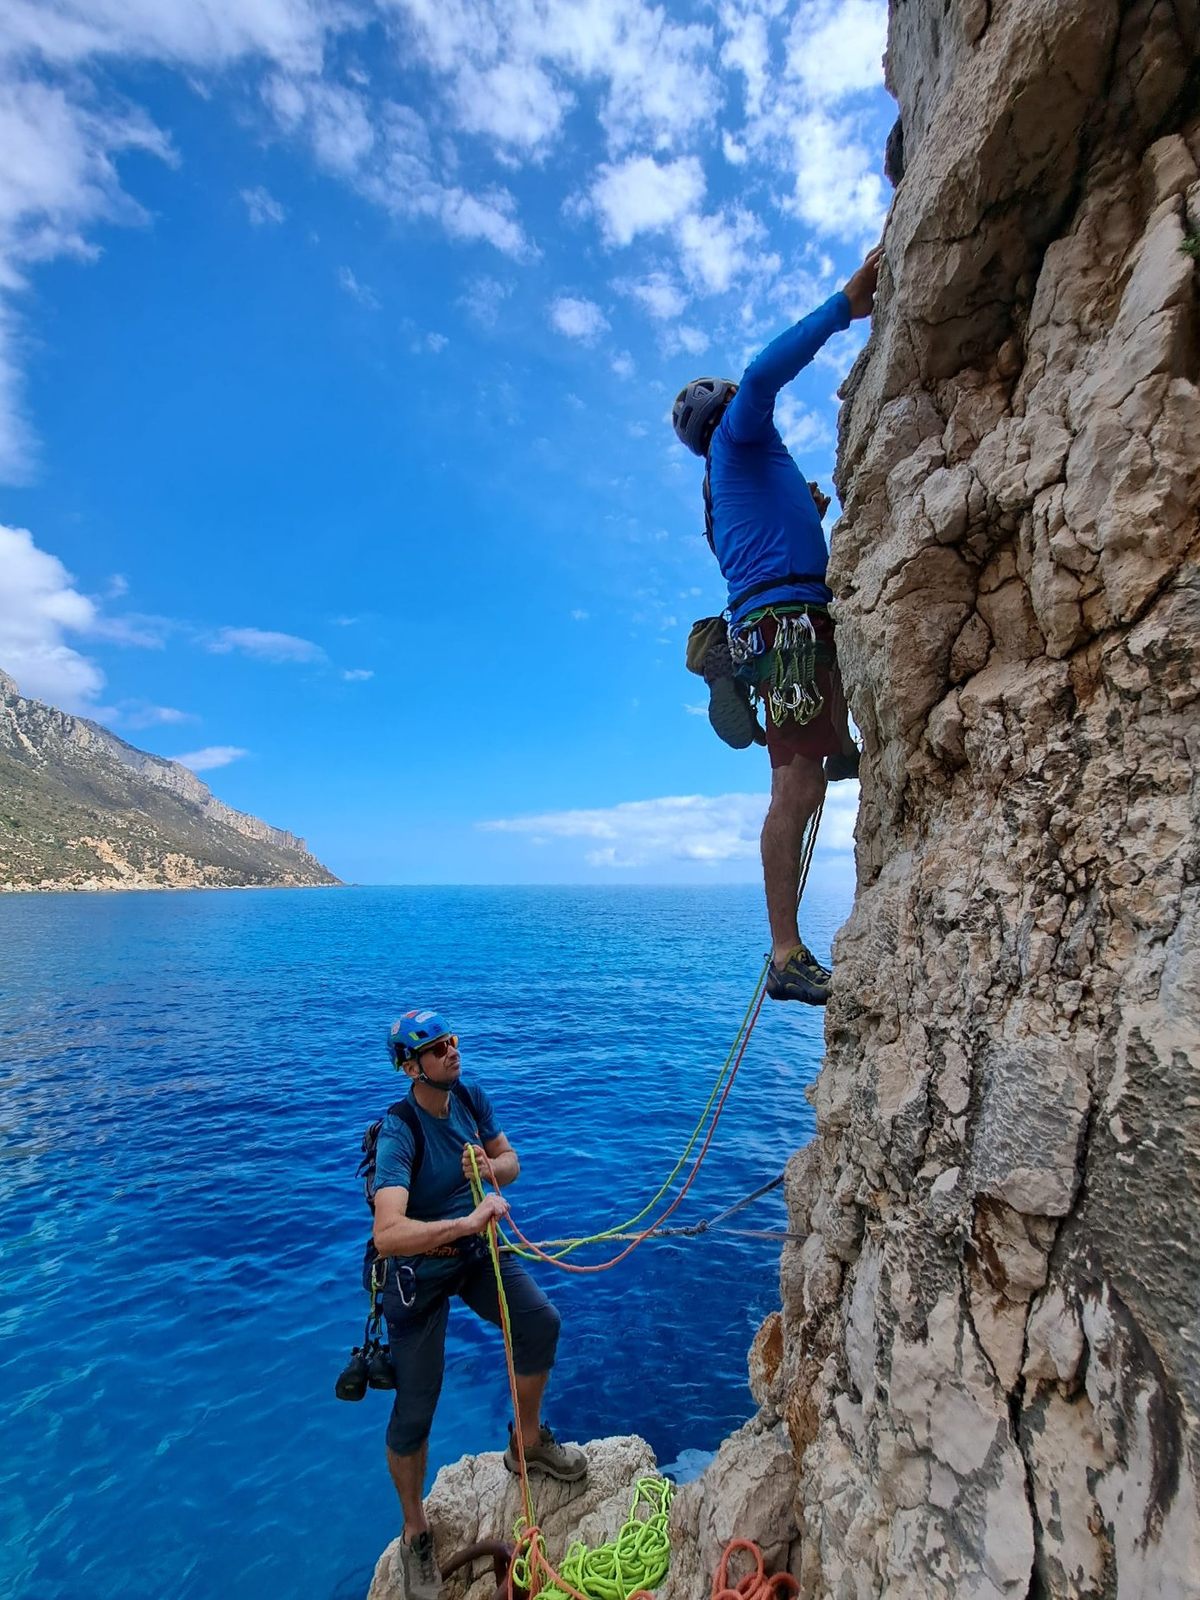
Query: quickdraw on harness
{"type": "Point", "coordinates": [791, 678]}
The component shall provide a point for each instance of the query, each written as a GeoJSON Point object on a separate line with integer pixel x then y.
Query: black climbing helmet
{"type": "Point", "coordinates": [699, 406]}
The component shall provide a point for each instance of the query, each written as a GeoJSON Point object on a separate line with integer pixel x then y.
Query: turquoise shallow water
{"type": "Point", "coordinates": [184, 1078]}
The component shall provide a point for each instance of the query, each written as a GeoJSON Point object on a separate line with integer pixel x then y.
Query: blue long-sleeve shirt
{"type": "Point", "coordinates": [765, 524]}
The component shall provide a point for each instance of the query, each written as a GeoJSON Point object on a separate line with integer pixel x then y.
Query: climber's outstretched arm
{"type": "Point", "coordinates": [750, 410]}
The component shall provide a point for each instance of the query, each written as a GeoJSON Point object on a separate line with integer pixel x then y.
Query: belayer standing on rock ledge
{"type": "Point", "coordinates": [428, 1233]}
{"type": "Point", "coordinates": [763, 522]}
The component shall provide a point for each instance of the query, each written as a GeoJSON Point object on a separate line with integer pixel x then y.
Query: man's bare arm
{"type": "Point", "coordinates": [398, 1234]}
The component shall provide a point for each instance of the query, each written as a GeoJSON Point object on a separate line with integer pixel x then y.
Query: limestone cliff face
{"type": "Point", "coordinates": [985, 1369]}
{"type": "Point", "coordinates": [80, 808]}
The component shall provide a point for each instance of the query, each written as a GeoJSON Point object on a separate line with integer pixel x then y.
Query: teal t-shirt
{"type": "Point", "coordinates": [439, 1191]}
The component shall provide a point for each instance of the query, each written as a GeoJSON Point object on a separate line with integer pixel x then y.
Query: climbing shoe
{"type": "Point", "coordinates": [731, 714]}
{"type": "Point", "coordinates": [564, 1461]}
{"type": "Point", "coordinates": [841, 766]}
{"type": "Point", "coordinates": [729, 706]}
{"type": "Point", "coordinates": [422, 1578]}
{"type": "Point", "coordinates": [801, 977]}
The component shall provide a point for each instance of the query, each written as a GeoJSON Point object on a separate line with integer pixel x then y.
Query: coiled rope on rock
{"type": "Point", "coordinates": [758, 1584]}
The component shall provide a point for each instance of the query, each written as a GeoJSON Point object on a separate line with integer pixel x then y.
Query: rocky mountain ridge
{"type": "Point", "coordinates": [80, 808]}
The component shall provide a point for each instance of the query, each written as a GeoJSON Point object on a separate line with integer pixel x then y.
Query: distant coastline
{"type": "Point", "coordinates": [114, 887]}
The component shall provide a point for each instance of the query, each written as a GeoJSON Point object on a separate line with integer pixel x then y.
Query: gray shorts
{"type": "Point", "coordinates": [417, 1336]}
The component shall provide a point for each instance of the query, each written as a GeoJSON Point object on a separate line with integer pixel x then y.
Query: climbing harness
{"type": "Point", "coordinates": [789, 580]}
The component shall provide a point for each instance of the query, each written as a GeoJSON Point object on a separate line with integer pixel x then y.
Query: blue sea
{"type": "Point", "coordinates": [184, 1079]}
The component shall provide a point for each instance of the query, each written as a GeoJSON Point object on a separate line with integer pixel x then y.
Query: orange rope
{"type": "Point", "coordinates": [756, 1585]}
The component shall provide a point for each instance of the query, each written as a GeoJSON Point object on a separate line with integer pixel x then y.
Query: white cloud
{"type": "Point", "coordinates": [58, 176]}
{"type": "Point", "coordinates": [265, 645]}
{"type": "Point", "coordinates": [511, 83]}
{"type": "Point", "coordinates": [39, 607]}
{"type": "Point", "coordinates": [514, 103]}
{"type": "Point", "coordinates": [799, 428]}
{"type": "Point", "coordinates": [623, 365]}
{"type": "Point", "coordinates": [836, 47]}
{"type": "Point", "coordinates": [579, 616]}
{"type": "Point", "coordinates": [577, 319]}
{"type": "Point", "coordinates": [213, 755]}
{"type": "Point", "coordinates": [662, 298]}
{"type": "Point", "coordinates": [696, 711]}
{"type": "Point", "coordinates": [649, 70]}
{"type": "Point", "coordinates": [641, 196]}
{"type": "Point", "coordinates": [691, 341]}
{"type": "Point", "coordinates": [179, 32]}
{"type": "Point", "coordinates": [436, 342]}
{"type": "Point", "coordinates": [720, 249]}
{"type": "Point", "coordinates": [490, 217]}
{"type": "Point", "coordinates": [747, 50]}
{"type": "Point", "coordinates": [262, 207]}
{"type": "Point", "coordinates": [483, 299]}
{"type": "Point", "coordinates": [385, 153]}
{"type": "Point", "coordinates": [357, 291]}
{"type": "Point", "coordinates": [138, 714]}
{"type": "Point", "coordinates": [837, 190]}
{"type": "Point", "coordinates": [842, 351]}
{"type": "Point", "coordinates": [336, 119]}
{"type": "Point", "coordinates": [700, 828]}
{"type": "Point", "coordinates": [357, 674]}
{"type": "Point", "coordinates": [838, 818]}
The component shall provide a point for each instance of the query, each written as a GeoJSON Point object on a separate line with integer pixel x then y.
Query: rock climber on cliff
{"type": "Point", "coordinates": [429, 1234]}
{"type": "Point", "coordinates": [764, 525]}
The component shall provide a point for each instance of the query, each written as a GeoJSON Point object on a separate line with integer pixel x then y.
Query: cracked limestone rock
{"type": "Point", "coordinates": [985, 1372]}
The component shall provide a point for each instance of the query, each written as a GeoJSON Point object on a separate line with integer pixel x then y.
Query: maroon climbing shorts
{"type": "Point", "coordinates": [828, 734]}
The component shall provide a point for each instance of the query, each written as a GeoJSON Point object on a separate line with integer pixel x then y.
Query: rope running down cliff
{"type": "Point", "coordinates": [553, 1251]}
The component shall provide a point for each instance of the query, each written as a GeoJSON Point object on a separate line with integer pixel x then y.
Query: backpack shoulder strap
{"type": "Point", "coordinates": [405, 1110]}
{"type": "Point", "coordinates": [708, 505]}
{"type": "Point", "coordinates": [467, 1101]}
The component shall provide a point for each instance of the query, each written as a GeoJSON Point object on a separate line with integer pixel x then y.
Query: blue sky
{"type": "Point", "coordinates": [337, 346]}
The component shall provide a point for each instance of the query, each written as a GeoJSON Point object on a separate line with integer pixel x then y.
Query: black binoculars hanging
{"type": "Point", "coordinates": [369, 1366]}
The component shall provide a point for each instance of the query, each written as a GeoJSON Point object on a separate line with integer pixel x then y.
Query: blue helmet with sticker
{"type": "Point", "coordinates": [413, 1032]}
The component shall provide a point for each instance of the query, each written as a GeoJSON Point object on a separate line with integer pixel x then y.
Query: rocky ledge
{"type": "Point", "coordinates": [478, 1498]}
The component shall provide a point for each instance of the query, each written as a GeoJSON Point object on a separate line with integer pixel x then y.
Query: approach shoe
{"type": "Point", "coordinates": [801, 977]}
{"type": "Point", "coordinates": [730, 710]}
{"type": "Point", "coordinates": [421, 1576]}
{"type": "Point", "coordinates": [566, 1462]}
